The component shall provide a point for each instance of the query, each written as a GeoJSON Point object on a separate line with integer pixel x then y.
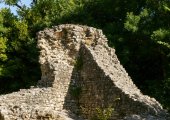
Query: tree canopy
{"type": "Point", "coordinates": [139, 30]}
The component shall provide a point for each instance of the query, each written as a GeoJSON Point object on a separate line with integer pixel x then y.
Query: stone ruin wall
{"type": "Point", "coordinates": [80, 73]}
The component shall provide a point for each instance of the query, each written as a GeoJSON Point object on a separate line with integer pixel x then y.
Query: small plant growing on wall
{"type": "Point", "coordinates": [75, 91]}
{"type": "Point", "coordinates": [79, 63]}
{"type": "Point", "coordinates": [104, 113]}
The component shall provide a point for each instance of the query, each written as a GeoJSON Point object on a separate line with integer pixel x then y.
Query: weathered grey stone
{"type": "Point", "coordinates": [80, 73]}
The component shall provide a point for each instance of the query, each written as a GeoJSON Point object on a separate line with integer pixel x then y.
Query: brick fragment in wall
{"type": "Point", "coordinates": [80, 73]}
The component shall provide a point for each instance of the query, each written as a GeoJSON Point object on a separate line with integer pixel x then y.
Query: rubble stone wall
{"type": "Point", "coordinates": [80, 73]}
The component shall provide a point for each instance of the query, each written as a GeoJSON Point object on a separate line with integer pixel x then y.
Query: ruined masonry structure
{"type": "Point", "coordinates": [80, 73]}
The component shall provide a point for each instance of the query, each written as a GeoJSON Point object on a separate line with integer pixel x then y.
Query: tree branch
{"type": "Point", "coordinates": [18, 6]}
{"type": "Point", "coordinates": [34, 1]}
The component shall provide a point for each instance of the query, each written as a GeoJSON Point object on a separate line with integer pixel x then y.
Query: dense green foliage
{"type": "Point", "coordinates": [139, 30]}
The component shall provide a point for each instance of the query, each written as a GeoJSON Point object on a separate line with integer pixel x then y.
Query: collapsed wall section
{"type": "Point", "coordinates": [80, 73]}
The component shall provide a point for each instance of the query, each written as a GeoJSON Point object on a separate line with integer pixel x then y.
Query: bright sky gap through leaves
{"type": "Point", "coordinates": [13, 9]}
